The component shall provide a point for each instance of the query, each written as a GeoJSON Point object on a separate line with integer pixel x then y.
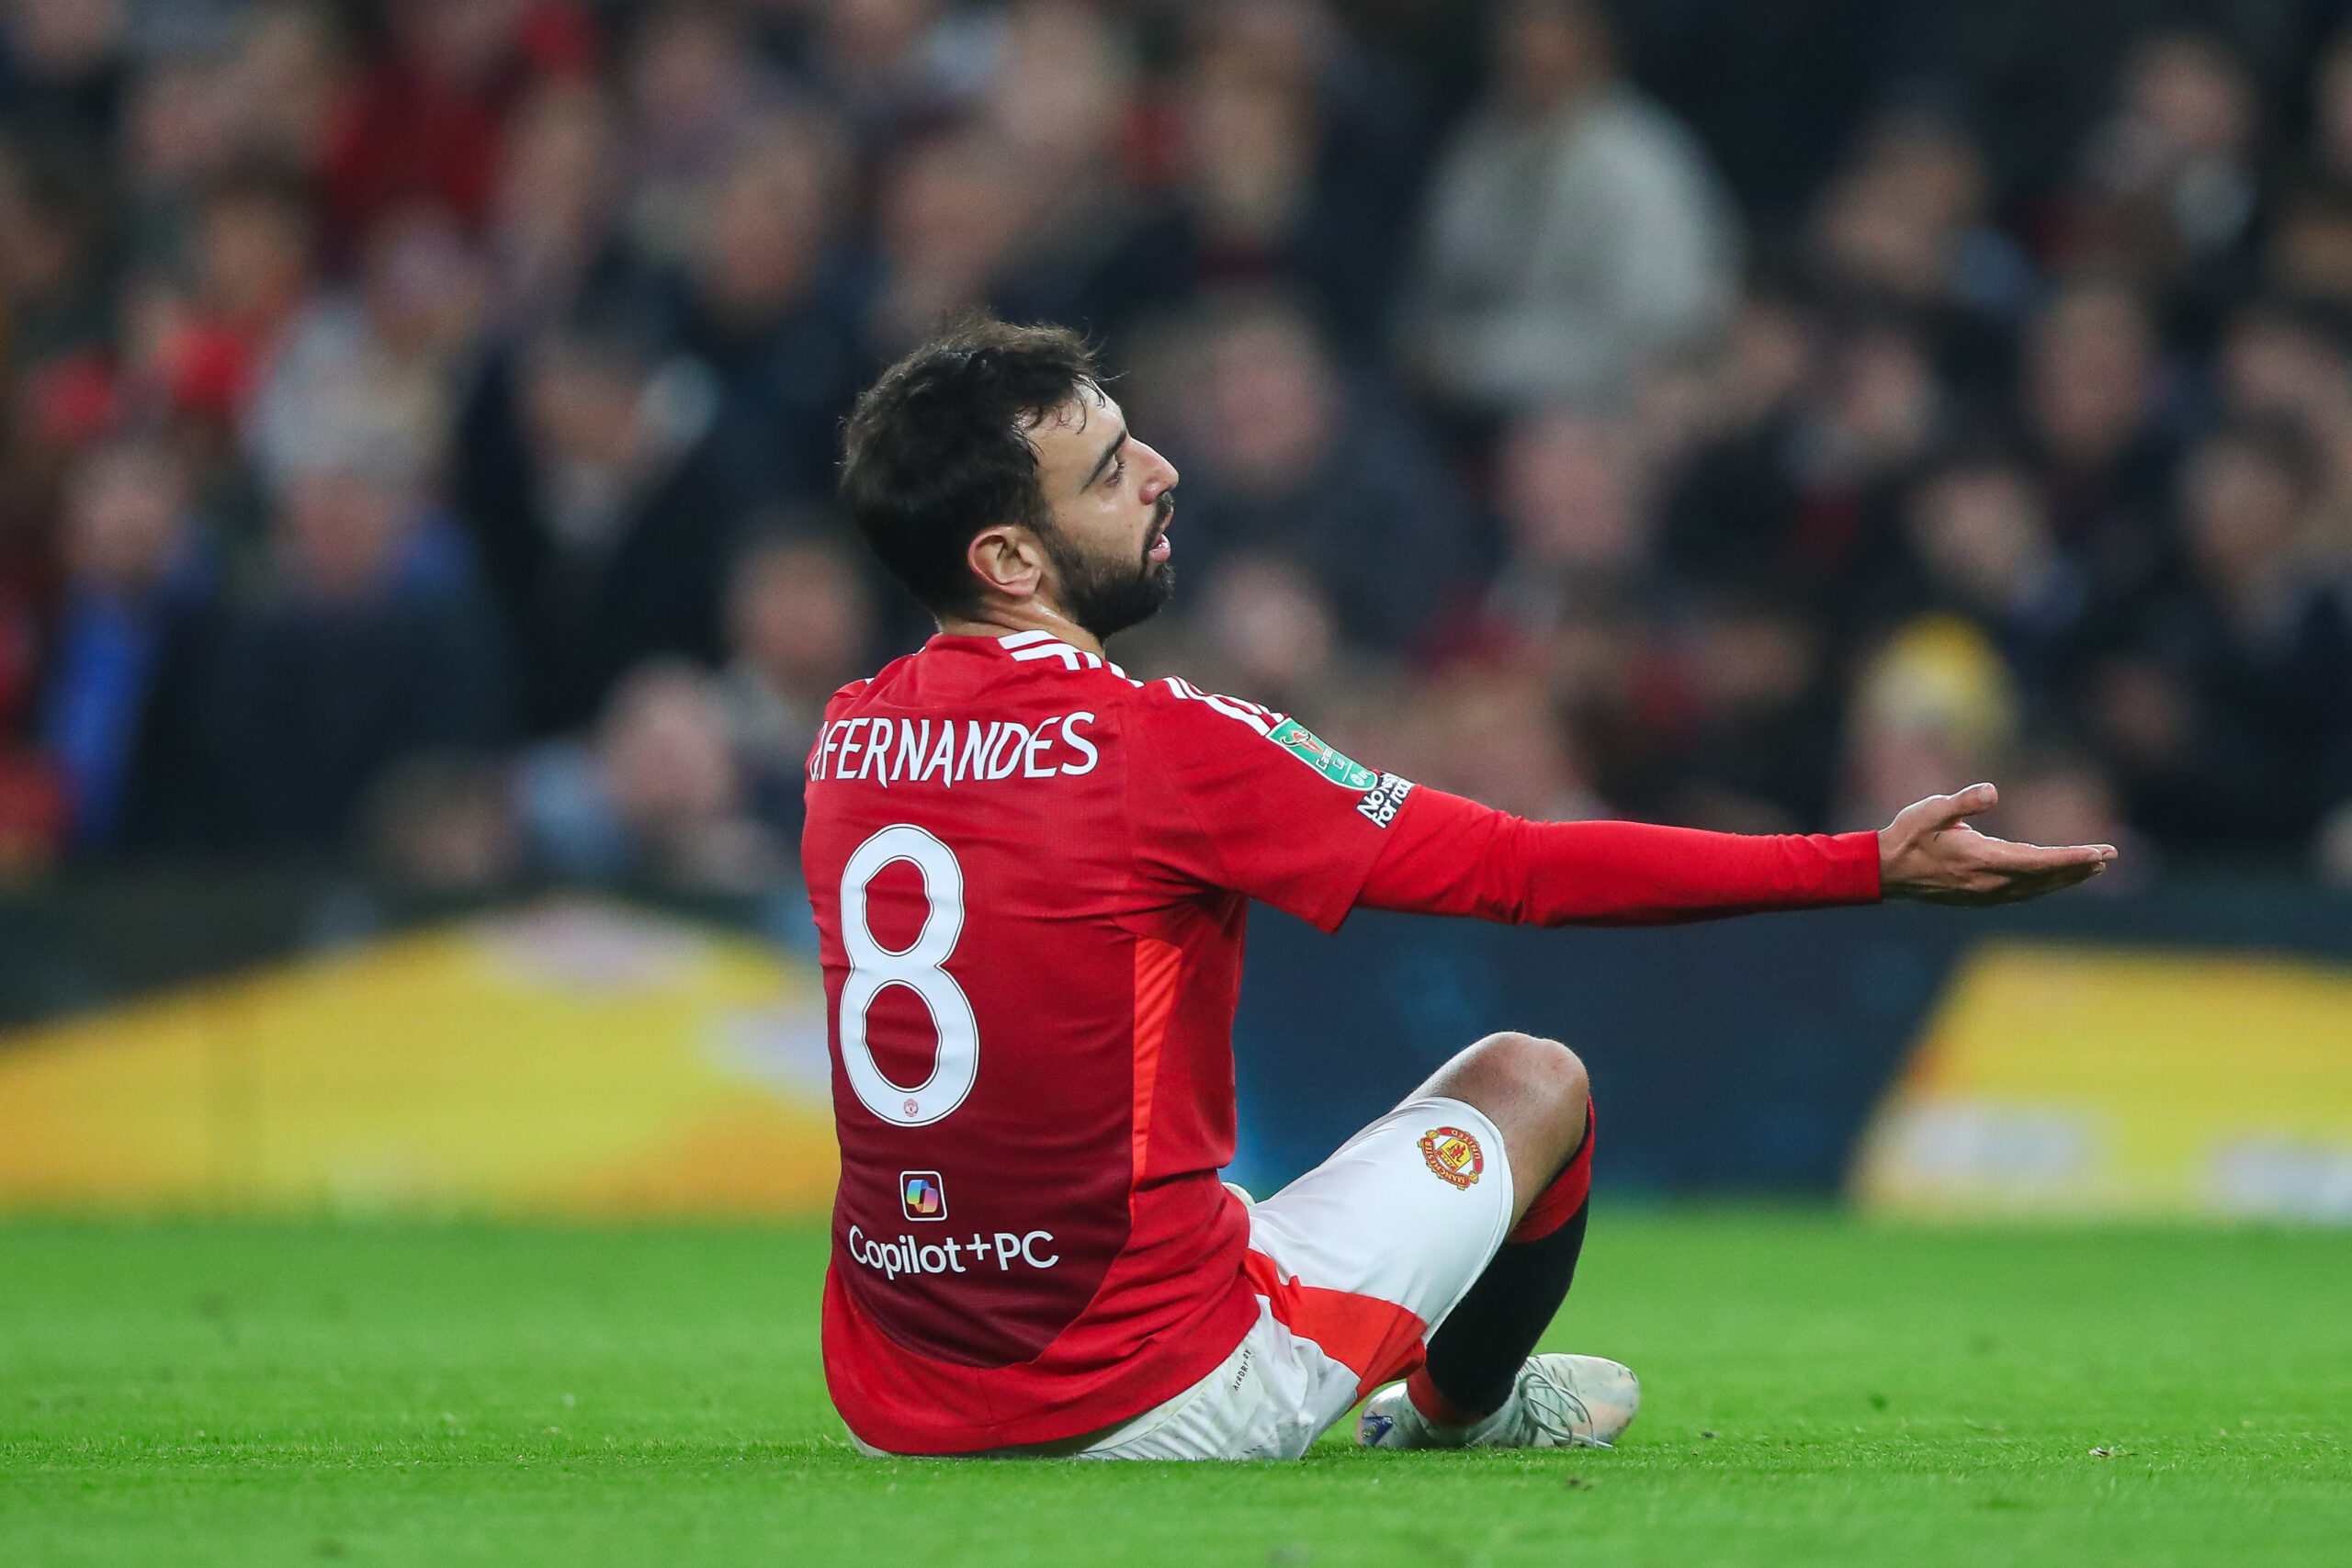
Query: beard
{"type": "Point", "coordinates": [1107, 596]}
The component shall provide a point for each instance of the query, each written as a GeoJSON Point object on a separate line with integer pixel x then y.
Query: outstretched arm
{"type": "Point", "coordinates": [1450, 857]}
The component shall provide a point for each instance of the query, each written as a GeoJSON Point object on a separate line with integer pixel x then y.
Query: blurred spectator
{"type": "Point", "coordinates": [1060, 84]}
{"type": "Point", "coordinates": [953, 207]}
{"type": "Point", "coordinates": [401, 342]}
{"type": "Point", "coordinates": [1744, 710]}
{"type": "Point", "coordinates": [2310, 259]}
{"type": "Point", "coordinates": [1977, 542]}
{"type": "Point", "coordinates": [2276, 359]}
{"type": "Point", "coordinates": [1294, 154]}
{"type": "Point", "coordinates": [2167, 191]}
{"type": "Point", "coordinates": [253, 275]}
{"type": "Point", "coordinates": [2227, 708]}
{"type": "Point", "coordinates": [602, 531]}
{"type": "Point", "coordinates": [1268, 633]}
{"type": "Point", "coordinates": [1284, 455]}
{"type": "Point", "coordinates": [2328, 158]}
{"type": "Point", "coordinates": [800, 626]}
{"type": "Point", "coordinates": [1905, 227]}
{"type": "Point", "coordinates": [1729, 396]}
{"type": "Point", "coordinates": [1576, 506]}
{"type": "Point", "coordinates": [1061, 102]}
{"type": "Point", "coordinates": [893, 63]}
{"type": "Point", "coordinates": [2277, 362]}
{"type": "Point", "coordinates": [63, 74]}
{"type": "Point", "coordinates": [180, 133]}
{"type": "Point", "coordinates": [1302, 160]}
{"type": "Point", "coordinates": [285, 83]}
{"type": "Point", "coordinates": [50, 262]}
{"type": "Point", "coordinates": [1802, 504]}
{"type": "Point", "coordinates": [549, 231]}
{"type": "Point", "coordinates": [695, 89]}
{"type": "Point", "coordinates": [256, 92]}
{"type": "Point", "coordinates": [373, 645]}
{"type": "Point", "coordinates": [656, 794]}
{"type": "Point", "coordinates": [1493, 735]}
{"type": "Point", "coordinates": [55, 387]}
{"type": "Point", "coordinates": [2332, 848]}
{"type": "Point", "coordinates": [426, 121]}
{"type": "Point", "coordinates": [1579, 590]}
{"type": "Point", "coordinates": [136, 632]}
{"type": "Point", "coordinates": [1575, 226]}
{"type": "Point", "coordinates": [772, 302]}
{"type": "Point", "coordinates": [1935, 704]}
{"type": "Point", "coordinates": [2093, 399]}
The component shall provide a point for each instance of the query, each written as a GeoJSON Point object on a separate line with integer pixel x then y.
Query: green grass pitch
{"type": "Point", "coordinates": [1820, 1391]}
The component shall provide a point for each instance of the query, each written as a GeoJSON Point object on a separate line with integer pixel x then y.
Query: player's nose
{"type": "Point", "coordinates": [1163, 476]}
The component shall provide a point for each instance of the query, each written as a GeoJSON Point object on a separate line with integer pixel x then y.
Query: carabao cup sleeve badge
{"type": "Point", "coordinates": [1319, 754]}
{"type": "Point", "coordinates": [1453, 1156]}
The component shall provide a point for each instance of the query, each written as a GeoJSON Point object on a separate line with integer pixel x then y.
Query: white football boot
{"type": "Point", "coordinates": [1557, 1402]}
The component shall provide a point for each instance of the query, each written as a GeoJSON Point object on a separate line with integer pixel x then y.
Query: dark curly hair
{"type": "Point", "coordinates": [937, 449]}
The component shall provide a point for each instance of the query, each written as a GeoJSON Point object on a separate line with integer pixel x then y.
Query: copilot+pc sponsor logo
{"type": "Point", "coordinates": [953, 1255]}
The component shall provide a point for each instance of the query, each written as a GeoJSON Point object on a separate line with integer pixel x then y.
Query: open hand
{"type": "Point", "coordinates": [1929, 852]}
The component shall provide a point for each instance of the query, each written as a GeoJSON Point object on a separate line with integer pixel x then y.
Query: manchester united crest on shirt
{"type": "Point", "coordinates": [1453, 1156]}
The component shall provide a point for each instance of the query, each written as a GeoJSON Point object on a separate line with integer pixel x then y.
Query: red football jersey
{"type": "Point", "coordinates": [1030, 874]}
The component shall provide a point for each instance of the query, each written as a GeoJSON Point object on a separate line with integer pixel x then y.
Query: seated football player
{"type": "Point", "coordinates": [1030, 875]}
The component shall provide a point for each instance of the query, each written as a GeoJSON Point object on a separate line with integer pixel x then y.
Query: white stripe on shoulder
{"type": "Point", "coordinates": [1061, 650]}
{"type": "Point", "coordinates": [1265, 720]}
{"type": "Point", "coordinates": [1029, 647]}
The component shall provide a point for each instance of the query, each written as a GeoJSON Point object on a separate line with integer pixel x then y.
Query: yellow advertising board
{"type": "Point", "coordinates": [2081, 1081]}
{"type": "Point", "coordinates": [574, 1058]}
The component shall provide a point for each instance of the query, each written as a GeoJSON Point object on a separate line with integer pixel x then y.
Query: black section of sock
{"type": "Point", "coordinates": [1477, 1351]}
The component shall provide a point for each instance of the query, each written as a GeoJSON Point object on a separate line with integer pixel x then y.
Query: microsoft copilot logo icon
{"type": "Point", "coordinates": [922, 1195]}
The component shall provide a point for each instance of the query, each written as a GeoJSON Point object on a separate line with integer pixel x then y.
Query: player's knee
{"type": "Point", "coordinates": [1543, 1070]}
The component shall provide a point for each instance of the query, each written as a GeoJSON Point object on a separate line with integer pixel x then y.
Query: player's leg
{"type": "Point", "coordinates": [1354, 1263]}
{"type": "Point", "coordinates": [1481, 1381]}
{"type": "Point", "coordinates": [1536, 1094]}
{"type": "Point", "coordinates": [1357, 1259]}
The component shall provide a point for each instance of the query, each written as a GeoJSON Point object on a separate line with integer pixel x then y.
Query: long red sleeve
{"type": "Point", "coordinates": [1446, 855]}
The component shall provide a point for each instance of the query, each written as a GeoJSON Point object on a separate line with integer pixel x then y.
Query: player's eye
{"type": "Point", "coordinates": [1118, 471]}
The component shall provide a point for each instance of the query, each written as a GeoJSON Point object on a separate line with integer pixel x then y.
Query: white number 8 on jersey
{"type": "Point", "coordinates": [874, 968]}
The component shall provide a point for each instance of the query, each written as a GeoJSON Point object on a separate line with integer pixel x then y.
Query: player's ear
{"type": "Point", "coordinates": [1008, 560]}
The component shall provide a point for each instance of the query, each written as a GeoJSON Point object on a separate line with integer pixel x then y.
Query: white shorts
{"type": "Point", "coordinates": [1356, 1263]}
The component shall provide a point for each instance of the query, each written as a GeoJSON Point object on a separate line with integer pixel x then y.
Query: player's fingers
{"type": "Point", "coordinates": [2019, 887]}
{"type": "Point", "coordinates": [2060, 877]}
{"type": "Point", "coordinates": [1985, 884]}
{"type": "Point", "coordinates": [2000, 854]}
{"type": "Point", "coordinates": [1939, 813]}
{"type": "Point", "coordinates": [1974, 801]}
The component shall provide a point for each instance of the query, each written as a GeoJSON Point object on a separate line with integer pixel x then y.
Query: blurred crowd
{"type": "Point", "coordinates": [418, 417]}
